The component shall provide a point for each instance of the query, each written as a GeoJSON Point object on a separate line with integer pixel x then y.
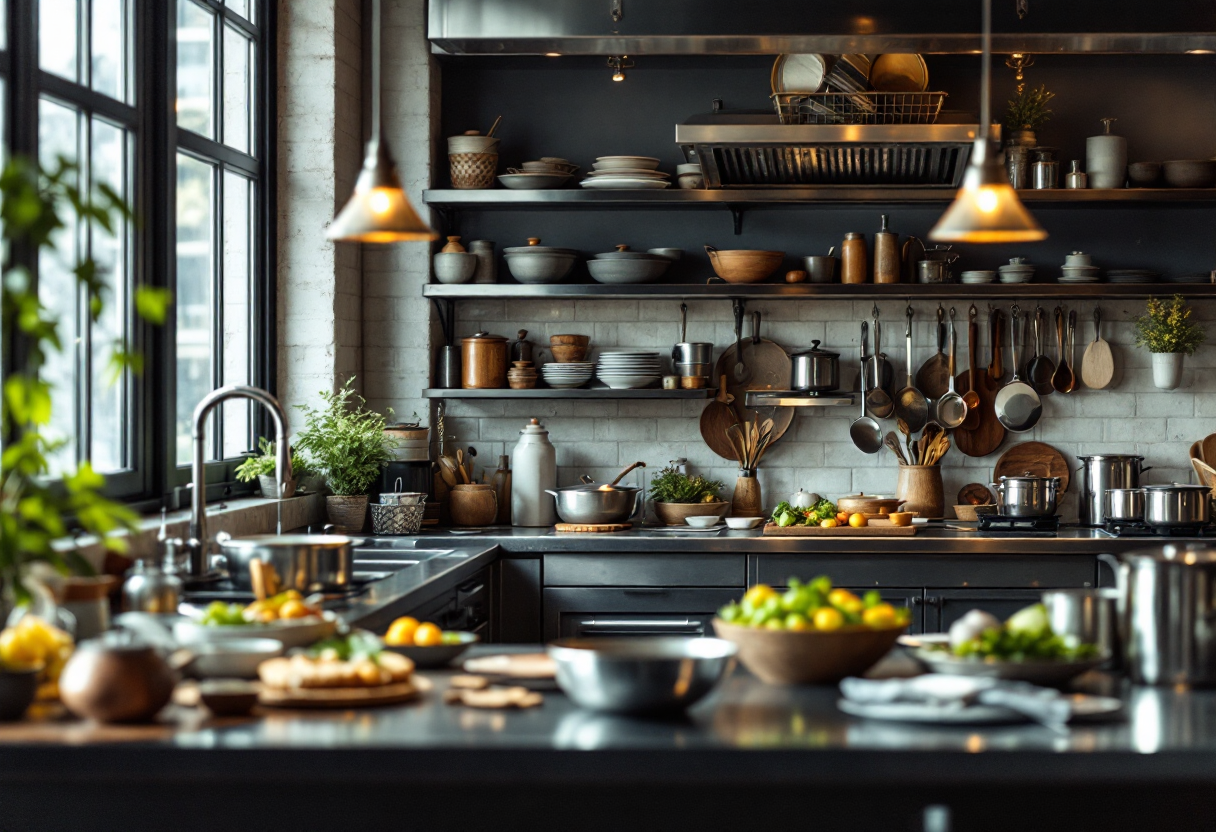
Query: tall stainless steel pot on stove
{"type": "Point", "coordinates": [1169, 613]}
{"type": "Point", "coordinates": [1103, 472]}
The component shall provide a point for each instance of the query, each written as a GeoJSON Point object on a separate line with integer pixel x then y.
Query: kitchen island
{"type": "Point", "coordinates": [749, 755]}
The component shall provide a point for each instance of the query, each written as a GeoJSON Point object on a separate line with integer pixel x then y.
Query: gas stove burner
{"type": "Point", "coordinates": [1121, 528]}
{"type": "Point", "coordinates": [999, 523]}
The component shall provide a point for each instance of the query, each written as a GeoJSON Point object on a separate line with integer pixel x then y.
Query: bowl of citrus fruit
{"type": "Point", "coordinates": [425, 643]}
{"type": "Point", "coordinates": [813, 633]}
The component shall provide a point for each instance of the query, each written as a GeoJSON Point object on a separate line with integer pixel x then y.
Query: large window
{"type": "Point", "coordinates": [166, 102]}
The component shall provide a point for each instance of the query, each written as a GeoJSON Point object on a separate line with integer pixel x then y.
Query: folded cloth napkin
{"type": "Point", "coordinates": [1044, 705]}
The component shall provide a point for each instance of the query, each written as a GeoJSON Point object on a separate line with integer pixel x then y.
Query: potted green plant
{"type": "Point", "coordinates": [261, 468]}
{"type": "Point", "coordinates": [345, 443]}
{"type": "Point", "coordinates": [678, 496]}
{"type": "Point", "coordinates": [1027, 111]}
{"type": "Point", "coordinates": [1166, 330]}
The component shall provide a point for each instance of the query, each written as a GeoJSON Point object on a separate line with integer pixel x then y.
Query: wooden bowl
{"type": "Point", "coordinates": [966, 513]}
{"type": "Point", "coordinates": [674, 514]}
{"type": "Point", "coordinates": [809, 657]}
{"type": "Point", "coordinates": [569, 340]}
{"type": "Point", "coordinates": [744, 266]}
{"type": "Point", "coordinates": [473, 504]}
{"type": "Point", "coordinates": [565, 353]}
{"type": "Point", "coordinates": [693, 382]}
{"type": "Point", "coordinates": [902, 518]}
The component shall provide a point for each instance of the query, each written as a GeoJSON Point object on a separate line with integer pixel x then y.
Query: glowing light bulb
{"type": "Point", "coordinates": [379, 202]}
{"type": "Point", "coordinates": [618, 76]}
{"type": "Point", "coordinates": [987, 200]}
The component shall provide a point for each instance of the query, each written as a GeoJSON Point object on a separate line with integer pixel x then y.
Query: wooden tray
{"type": "Point", "coordinates": [344, 697]}
{"type": "Point", "coordinates": [1039, 458]}
{"type": "Point", "coordinates": [592, 527]}
{"type": "Point", "coordinates": [773, 530]}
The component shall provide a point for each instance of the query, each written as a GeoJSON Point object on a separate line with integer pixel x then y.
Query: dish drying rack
{"type": "Point", "coordinates": [858, 107]}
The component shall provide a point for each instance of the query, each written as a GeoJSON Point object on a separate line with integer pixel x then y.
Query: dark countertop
{"type": "Point", "coordinates": [749, 744]}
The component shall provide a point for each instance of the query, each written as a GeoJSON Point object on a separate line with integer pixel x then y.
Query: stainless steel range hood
{"type": "Point", "coordinates": [769, 27]}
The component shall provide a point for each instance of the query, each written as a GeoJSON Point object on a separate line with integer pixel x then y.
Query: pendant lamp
{"type": "Point", "coordinates": [378, 211]}
{"type": "Point", "coordinates": [986, 208]}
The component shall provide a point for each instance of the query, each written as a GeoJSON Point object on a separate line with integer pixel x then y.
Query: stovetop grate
{"type": "Point", "coordinates": [1119, 528]}
{"type": "Point", "coordinates": [997, 523]}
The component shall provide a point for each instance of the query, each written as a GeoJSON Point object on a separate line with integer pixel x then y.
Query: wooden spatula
{"type": "Point", "coordinates": [1098, 363]}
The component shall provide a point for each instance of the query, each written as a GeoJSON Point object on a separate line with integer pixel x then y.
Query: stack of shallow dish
{"type": "Point", "coordinates": [1078, 268]}
{"type": "Point", "coordinates": [548, 172]}
{"type": "Point", "coordinates": [626, 172]}
{"type": "Point", "coordinates": [975, 277]}
{"type": "Point", "coordinates": [1188, 278]}
{"type": "Point", "coordinates": [567, 374]}
{"type": "Point", "coordinates": [1017, 270]}
{"type": "Point", "coordinates": [629, 369]}
{"type": "Point", "coordinates": [1132, 276]}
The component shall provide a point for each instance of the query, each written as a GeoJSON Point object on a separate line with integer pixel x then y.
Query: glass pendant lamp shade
{"type": "Point", "coordinates": [986, 208]}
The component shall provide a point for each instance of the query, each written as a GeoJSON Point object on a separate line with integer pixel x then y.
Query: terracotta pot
{"type": "Point", "coordinates": [483, 360]}
{"type": "Point", "coordinates": [117, 683]}
{"type": "Point", "coordinates": [673, 514]}
{"type": "Point", "coordinates": [747, 501]}
{"type": "Point", "coordinates": [474, 504]}
{"type": "Point", "coordinates": [792, 657]}
{"type": "Point", "coordinates": [348, 514]}
{"type": "Point", "coordinates": [920, 488]}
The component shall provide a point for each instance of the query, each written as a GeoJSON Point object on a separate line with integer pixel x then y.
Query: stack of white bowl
{"type": "Point", "coordinates": [629, 369]}
{"type": "Point", "coordinates": [566, 375]}
{"type": "Point", "coordinates": [547, 172]}
{"type": "Point", "coordinates": [1078, 268]}
{"type": "Point", "coordinates": [1017, 270]}
{"type": "Point", "coordinates": [626, 172]}
{"type": "Point", "coordinates": [972, 278]}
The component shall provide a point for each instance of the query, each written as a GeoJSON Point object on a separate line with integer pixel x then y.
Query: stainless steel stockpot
{"type": "Point", "coordinates": [1103, 472]}
{"type": "Point", "coordinates": [305, 562]}
{"type": "Point", "coordinates": [1026, 496]}
{"type": "Point", "coordinates": [1124, 504]}
{"type": "Point", "coordinates": [597, 504]}
{"type": "Point", "coordinates": [1169, 606]}
{"type": "Point", "coordinates": [815, 371]}
{"type": "Point", "coordinates": [1177, 505]}
{"type": "Point", "coordinates": [1091, 616]}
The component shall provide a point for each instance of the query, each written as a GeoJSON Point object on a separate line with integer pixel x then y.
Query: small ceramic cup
{"type": "Point", "coordinates": [671, 382]}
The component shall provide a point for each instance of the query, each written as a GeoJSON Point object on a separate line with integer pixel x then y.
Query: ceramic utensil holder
{"type": "Point", "coordinates": [920, 487]}
{"type": "Point", "coordinates": [747, 501]}
{"type": "Point", "coordinates": [473, 505]}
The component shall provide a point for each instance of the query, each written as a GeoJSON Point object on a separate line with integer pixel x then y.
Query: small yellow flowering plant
{"type": "Point", "coordinates": [1166, 326]}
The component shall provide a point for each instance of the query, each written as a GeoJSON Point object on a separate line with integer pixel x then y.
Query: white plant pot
{"type": "Point", "coordinates": [1167, 370]}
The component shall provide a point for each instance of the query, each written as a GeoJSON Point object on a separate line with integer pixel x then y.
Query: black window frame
{"type": "Point", "coordinates": [155, 479]}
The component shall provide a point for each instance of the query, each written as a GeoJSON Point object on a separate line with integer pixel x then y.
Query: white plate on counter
{"type": "Point", "coordinates": [625, 184]}
{"type": "Point", "coordinates": [1083, 706]}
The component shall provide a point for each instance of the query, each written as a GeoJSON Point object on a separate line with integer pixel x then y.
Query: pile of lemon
{"type": "Point", "coordinates": [815, 605]}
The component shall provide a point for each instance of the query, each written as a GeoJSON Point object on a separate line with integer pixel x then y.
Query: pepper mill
{"type": "Point", "coordinates": [853, 259]}
{"type": "Point", "coordinates": [1076, 178]}
{"type": "Point", "coordinates": [1106, 159]}
{"type": "Point", "coordinates": [886, 255]}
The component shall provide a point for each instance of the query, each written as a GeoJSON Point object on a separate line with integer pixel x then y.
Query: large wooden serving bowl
{"type": "Point", "coordinates": [744, 265]}
{"type": "Point", "coordinates": [808, 657]}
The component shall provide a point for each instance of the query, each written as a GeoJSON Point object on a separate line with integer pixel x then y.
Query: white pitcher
{"type": "Point", "coordinates": [535, 471]}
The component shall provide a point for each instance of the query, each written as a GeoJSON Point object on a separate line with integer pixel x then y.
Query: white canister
{"type": "Point", "coordinates": [1106, 159]}
{"type": "Point", "coordinates": [534, 471]}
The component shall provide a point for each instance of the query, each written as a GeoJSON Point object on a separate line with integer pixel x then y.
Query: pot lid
{"type": "Point", "coordinates": [623, 253]}
{"type": "Point", "coordinates": [484, 336]}
{"type": "Point", "coordinates": [1029, 477]}
{"type": "Point", "coordinates": [598, 486]}
{"type": "Point", "coordinates": [863, 496]}
{"type": "Point", "coordinates": [1177, 486]}
{"type": "Point", "coordinates": [1113, 456]}
{"type": "Point", "coordinates": [534, 247]}
{"type": "Point", "coordinates": [534, 428]}
{"type": "Point", "coordinates": [817, 353]}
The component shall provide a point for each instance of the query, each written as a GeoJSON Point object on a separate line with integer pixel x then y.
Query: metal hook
{"type": "Point", "coordinates": [874, 312]}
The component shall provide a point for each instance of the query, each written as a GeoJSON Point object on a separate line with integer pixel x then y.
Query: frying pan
{"type": "Point", "coordinates": [1018, 406]}
{"type": "Point", "coordinates": [910, 403]}
{"type": "Point", "coordinates": [950, 410]}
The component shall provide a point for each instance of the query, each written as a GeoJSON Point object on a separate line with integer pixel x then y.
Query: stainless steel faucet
{"type": "Point", "coordinates": [196, 546]}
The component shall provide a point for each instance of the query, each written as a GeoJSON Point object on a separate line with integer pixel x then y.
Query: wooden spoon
{"type": "Point", "coordinates": [447, 470]}
{"type": "Point", "coordinates": [1062, 379]}
{"type": "Point", "coordinates": [892, 442]}
{"type": "Point", "coordinates": [621, 475]}
{"type": "Point", "coordinates": [1098, 364]}
{"type": "Point", "coordinates": [971, 398]}
{"type": "Point", "coordinates": [996, 370]}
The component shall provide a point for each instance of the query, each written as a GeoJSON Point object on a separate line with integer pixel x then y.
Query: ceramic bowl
{"type": "Point", "coordinates": [809, 657]}
{"type": "Point", "coordinates": [573, 340]}
{"type": "Point", "coordinates": [229, 697]}
{"type": "Point", "coordinates": [540, 266]}
{"type": "Point", "coordinates": [703, 522]}
{"type": "Point", "coordinates": [236, 658]}
{"type": "Point", "coordinates": [691, 181]}
{"type": "Point", "coordinates": [534, 181]}
{"type": "Point", "coordinates": [454, 266]}
{"type": "Point", "coordinates": [439, 655]}
{"type": "Point", "coordinates": [17, 689]}
{"type": "Point", "coordinates": [673, 514]}
{"type": "Point", "coordinates": [1144, 174]}
{"type": "Point", "coordinates": [627, 271]}
{"type": "Point", "coordinates": [1190, 173]}
{"type": "Point", "coordinates": [744, 522]}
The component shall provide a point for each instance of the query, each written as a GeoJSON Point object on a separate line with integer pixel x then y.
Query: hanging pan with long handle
{"type": "Point", "coordinates": [910, 403]}
{"type": "Point", "coordinates": [1018, 406]}
{"type": "Point", "coordinates": [864, 431]}
{"type": "Point", "coordinates": [951, 409]}
{"type": "Point", "coordinates": [971, 395]}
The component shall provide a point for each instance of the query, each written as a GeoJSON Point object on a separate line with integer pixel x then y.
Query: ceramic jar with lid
{"type": "Point", "coordinates": [534, 464]}
{"type": "Point", "coordinates": [1106, 158]}
{"type": "Point", "coordinates": [853, 267]}
{"type": "Point", "coordinates": [483, 359]}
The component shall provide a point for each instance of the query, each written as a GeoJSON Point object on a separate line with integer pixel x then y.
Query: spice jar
{"type": "Point", "coordinates": [483, 362]}
{"type": "Point", "coordinates": [853, 267]}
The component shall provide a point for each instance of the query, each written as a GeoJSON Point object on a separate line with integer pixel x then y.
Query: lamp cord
{"type": "Point", "coordinates": [375, 69]}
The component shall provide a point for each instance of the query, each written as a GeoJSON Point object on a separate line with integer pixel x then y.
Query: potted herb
{"type": "Point", "coordinates": [261, 468]}
{"type": "Point", "coordinates": [678, 496]}
{"type": "Point", "coordinates": [1027, 112]}
{"type": "Point", "coordinates": [345, 443]}
{"type": "Point", "coordinates": [1167, 332]}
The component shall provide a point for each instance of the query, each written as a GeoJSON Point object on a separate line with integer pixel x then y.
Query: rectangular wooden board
{"type": "Point", "coordinates": [772, 529]}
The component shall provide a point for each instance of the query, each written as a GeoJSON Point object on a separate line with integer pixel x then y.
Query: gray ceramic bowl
{"type": "Point", "coordinates": [1190, 173]}
{"type": "Point", "coordinates": [440, 655]}
{"type": "Point", "coordinates": [627, 271]}
{"type": "Point", "coordinates": [534, 181]}
{"type": "Point", "coordinates": [640, 675]}
{"type": "Point", "coordinates": [540, 266]}
{"type": "Point", "coordinates": [1144, 174]}
{"type": "Point", "coordinates": [237, 658]}
{"type": "Point", "coordinates": [454, 266]}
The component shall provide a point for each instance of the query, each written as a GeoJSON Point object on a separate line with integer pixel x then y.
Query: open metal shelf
{"type": "Point", "coordinates": [576, 393]}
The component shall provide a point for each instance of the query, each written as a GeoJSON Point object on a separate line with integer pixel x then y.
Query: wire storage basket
{"type": "Point", "coordinates": [388, 519]}
{"type": "Point", "coordinates": [858, 107]}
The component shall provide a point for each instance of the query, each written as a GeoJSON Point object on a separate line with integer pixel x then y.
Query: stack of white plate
{"type": "Point", "coordinates": [1016, 272]}
{"type": "Point", "coordinates": [629, 369]}
{"type": "Point", "coordinates": [626, 172]}
{"type": "Point", "coordinates": [1079, 274]}
{"type": "Point", "coordinates": [567, 374]}
{"type": "Point", "coordinates": [974, 277]}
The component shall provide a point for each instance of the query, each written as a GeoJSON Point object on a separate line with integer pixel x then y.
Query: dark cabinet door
{"type": "Point", "coordinates": [623, 611]}
{"type": "Point", "coordinates": [945, 606]}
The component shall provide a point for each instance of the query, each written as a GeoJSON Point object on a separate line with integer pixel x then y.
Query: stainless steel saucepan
{"type": "Point", "coordinates": [305, 562]}
{"type": "Point", "coordinates": [1177, 505]}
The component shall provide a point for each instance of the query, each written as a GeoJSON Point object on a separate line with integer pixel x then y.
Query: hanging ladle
{"type": "Point", "coordinates": [865, 432]}
{"type": "Point", "coordinates": [910, 403]}
{"type": "Point", "coordinates": [951, 408]}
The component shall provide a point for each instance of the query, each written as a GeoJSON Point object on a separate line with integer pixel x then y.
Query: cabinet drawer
{"type": "Point", "coordinates": [946, 571]}
{"type": "Point", "coordinates": [646, 570]}
{"type": "Point", "coordinates": [632, 611]}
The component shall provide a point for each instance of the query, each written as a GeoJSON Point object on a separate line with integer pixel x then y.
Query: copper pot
{"type": "Point", "coordinates": [483, 362]}
{"type": "Point", "coordinates": [868, 504]}
{"type": "Point", "coordinates": [112, 680]}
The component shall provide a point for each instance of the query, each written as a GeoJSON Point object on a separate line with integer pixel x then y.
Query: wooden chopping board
{"type": "Point", "coordinates": [769, 367]}
{"type": "Point", "coordinates": [1039, 458]}
{"type": "Point", "coordinates": [592, 527]}
{"type": "Point", "coordinates": [988, 435]}
{"type": "Point", "coordinates": [716, 417]}
{"type": "Point", "coordinates": [773, 530]}
{"type": "Point", "coordinates": [344, 697]}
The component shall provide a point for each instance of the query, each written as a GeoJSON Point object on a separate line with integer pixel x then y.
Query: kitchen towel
{"type": "Point", "coordinates": [1043, 705]}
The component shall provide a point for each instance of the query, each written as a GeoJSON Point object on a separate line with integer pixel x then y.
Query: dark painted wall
{"type": "Point", "coordinates": [1165, 105]}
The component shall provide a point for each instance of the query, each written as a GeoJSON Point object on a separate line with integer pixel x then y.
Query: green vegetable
{"type": "Point", "coordinates": [1026, 636]}
{"type": "Point", "coordinates": [356, 645]}
{"type": "Point", "coordinates": [670, 486]}
{"type": "Point", "coordinates": [219, 614]}
{"type": "Point", "coordinates": [786, 515]}
{"type": "Point", "coordinates": [1030, 622]}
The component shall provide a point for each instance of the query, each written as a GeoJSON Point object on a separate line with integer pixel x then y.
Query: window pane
{"type": "Point", "coordinates": [107, 407]}
{"type": "Point", "coordinates": [241, 7]}
{"type": "Point", "coordinates": [195, 33]}
{"type": "Point", "coordinates": [57, 32]}
{"type": "Point", "coordinates": [237, 348]}
{"type": "Point", "coordinates": [109, 64]}
{"type": "Point", "coordinates": [3, 24]}
{"type": "Point", "coordinates": [58, 136]}
{"type": "Point", "coordinates": [238, 86]}
{"type": "Point", "coordinates": [195, 250]}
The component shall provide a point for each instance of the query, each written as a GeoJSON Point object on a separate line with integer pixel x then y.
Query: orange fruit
{"type": "Point", "coordinates": [428, 635]}
{"type": "Point", "coordinates": [401, 632]}
{"type": "Point", "coordinates": [879, 616]}
{"type": "Point", "coordinates": [829, 523]}
{"type": "Point", "coordinates": [858, 520]}
{"type": "Point", "coordinates": [828, 619]}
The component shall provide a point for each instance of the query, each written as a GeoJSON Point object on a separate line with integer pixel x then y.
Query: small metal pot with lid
{"type": "Point", "coordinates": [1026, 496]}
{"type": "Point", "coordinates": [815, 371]}
{"type": "Point", "coordinates": [1177, 505]}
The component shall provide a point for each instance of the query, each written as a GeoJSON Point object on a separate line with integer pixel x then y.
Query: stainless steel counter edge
{"type": "Point", "coordinates": [417, 584]}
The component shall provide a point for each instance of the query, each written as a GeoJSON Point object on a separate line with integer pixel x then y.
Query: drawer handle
{"type": "Point", "coordinates": [655, 591]}
{"type": "Point", "coordinates": [637, 624]}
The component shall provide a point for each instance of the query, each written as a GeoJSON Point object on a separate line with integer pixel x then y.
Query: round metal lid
{"type": "Point", "coordinates": [818, 353]}
{"type": "Point", "coordinates": [534, 247]}
{"type": "Point", "coordinates": [485, 336]}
